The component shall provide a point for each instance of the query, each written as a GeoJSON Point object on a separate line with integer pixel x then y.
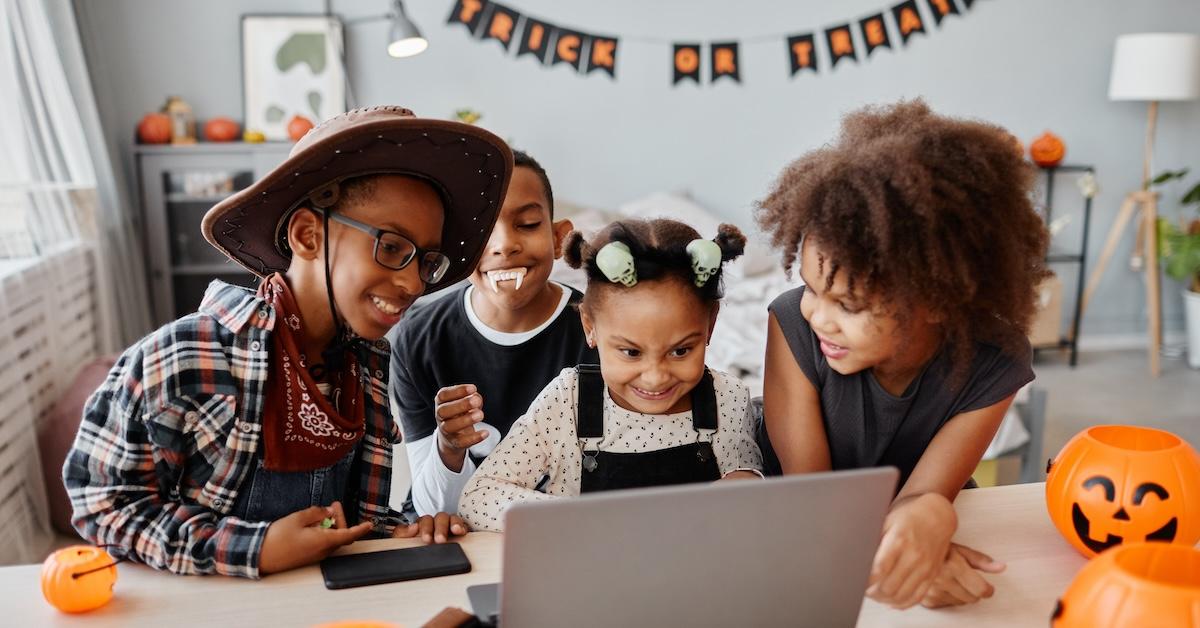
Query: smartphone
{"type": "Point", "coordinates": [412, 563]}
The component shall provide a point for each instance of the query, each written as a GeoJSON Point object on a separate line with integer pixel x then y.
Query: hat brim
{"type": "Point", "coordinates": [469, 167]}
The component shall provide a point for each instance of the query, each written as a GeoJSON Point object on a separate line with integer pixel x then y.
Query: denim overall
{"type": "Point", "coordinates": [268, 495]}
{"type": "Point", "coordinates": [685, 464]}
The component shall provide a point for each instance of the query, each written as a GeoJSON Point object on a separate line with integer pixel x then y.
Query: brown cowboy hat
{"type": "Point", "coordinates": [468, 166]}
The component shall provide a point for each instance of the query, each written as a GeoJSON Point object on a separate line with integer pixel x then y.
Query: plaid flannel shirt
{"type": "Point", "coordinates": [167, 440]}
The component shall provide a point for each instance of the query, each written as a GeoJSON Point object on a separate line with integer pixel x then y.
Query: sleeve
{"type": "Point", "coordinates": [801, 340]}
{"type": "Point", "coordinates": [737, 449]}
{"type": "Point", "coordinates": [123, 472]}
{"type": "Point", "coordinates": [435, 488]}
{"type": "Point", "coordinates": [410, 390]}
{"type": "Point", "coordinates": [995, 376]}
{"type": "Point", "coordinates": [513, 470]}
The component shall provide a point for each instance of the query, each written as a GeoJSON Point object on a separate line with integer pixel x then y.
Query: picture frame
{"type": "Point", "coordinates": [292, 65]}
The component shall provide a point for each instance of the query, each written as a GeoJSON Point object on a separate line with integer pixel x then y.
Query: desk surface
{"type": "Point", "coordinates": [1008, 522]}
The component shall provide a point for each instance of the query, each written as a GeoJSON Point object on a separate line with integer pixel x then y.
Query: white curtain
{"type": "Point", "coordinates": [56, 169]}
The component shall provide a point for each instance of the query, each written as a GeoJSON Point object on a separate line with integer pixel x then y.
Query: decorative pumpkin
{"type": "Point", "coordinates": [1048, 150]}
{"type": "Point", "coordinates": [220, 130]}
{"type": "Point", "coordinates": [155, 128]}
{"type": "Point", "coordinates": [1114, 484]}
{"type": "Point", "coordinates": [298, 126]}
{"type": "Point", "coordinates": [69, 582]}
{"type": "Point", "coordinates": [1141, 584]}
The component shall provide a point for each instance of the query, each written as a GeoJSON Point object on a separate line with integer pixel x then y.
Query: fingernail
{"type": "Point", "coordinates": [484, 434]}
{"type": "Point", "coordinates": [471, 388]}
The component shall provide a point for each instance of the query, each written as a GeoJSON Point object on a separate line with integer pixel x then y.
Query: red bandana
{"type": "Point", "coordinates": [302, 429]}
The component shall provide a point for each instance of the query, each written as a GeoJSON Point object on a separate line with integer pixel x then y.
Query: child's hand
{"type": "Point", "coordinates": [458, 410]}
{"type": "Point", "coordinates": [298, 539]}
{"type": "Point", "coordinates": [433, 528]}
{"type": "Point", "coordinates": [959, 582]}
{"type": "Point", "coordinates": [916, 538]}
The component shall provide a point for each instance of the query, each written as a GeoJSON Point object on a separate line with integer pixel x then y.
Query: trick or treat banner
{"type": "Point", "coordinates": [817, 49]}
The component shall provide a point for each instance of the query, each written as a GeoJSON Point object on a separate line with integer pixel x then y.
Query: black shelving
{"type": "Point", "coordinates": [1058, 256]}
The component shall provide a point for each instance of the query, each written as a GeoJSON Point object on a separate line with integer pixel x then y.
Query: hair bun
{"type": "Point", "coordinates": [731, 240]}
{"type": "Point", "coordinates": [575, 250]}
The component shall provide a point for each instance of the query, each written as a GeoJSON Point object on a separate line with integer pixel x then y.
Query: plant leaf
{"type": "Point", "coordinates": [1168, 175]}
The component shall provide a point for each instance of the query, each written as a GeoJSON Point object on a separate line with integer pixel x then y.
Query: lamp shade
{"type": "Point", "coordinates": [404, 39]}
{"type": "Point", "coordinates": [1156, 66]}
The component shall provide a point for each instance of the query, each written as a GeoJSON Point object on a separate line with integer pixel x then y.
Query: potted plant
{"type": "Point", "coordinates": [1179, 247]}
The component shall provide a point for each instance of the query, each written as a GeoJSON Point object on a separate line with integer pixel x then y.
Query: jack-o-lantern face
{"type": "Point", "coordinates": [1102, 505]}
{"type": "Point", "coordinates": [1119, 484]}
{"type": "Point", "coordinates": [1139, 584]}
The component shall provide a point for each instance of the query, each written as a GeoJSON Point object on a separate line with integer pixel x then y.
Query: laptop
{"type": "Point", "coordinates": [786, 551]}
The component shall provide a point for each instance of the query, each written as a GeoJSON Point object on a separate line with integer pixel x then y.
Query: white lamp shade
{"type": "Point", "coordinates": [1156, 66]}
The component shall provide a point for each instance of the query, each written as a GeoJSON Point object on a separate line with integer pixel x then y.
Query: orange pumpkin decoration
{"type": "Point", "coordinates": [221, 130]}
{"type": "Point", "coordinates": [1115, 484]}
{"type": "Point", "coordinates": [1142, 584]}
{"type": "Point", "coordinates": [155, 128]}
{"type": "Point", "coordinates": [1048, 150]}
{"type": "Point", "coordinates": [69, 582]}
{"type": "Point", "coordinates": [298, 126]}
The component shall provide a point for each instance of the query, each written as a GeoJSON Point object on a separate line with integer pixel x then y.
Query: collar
{"type": "Point", "coordinates": [235, 307]}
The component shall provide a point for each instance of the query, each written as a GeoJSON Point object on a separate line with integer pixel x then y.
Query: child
{"type": "Point", "coordinates": [920, 254]}
{"type": "Point", "coordinates": [227, 441]}
{"type": "Point", "coordinates": [483, 352]}
{"type": "Point", "coordinates": [651, 414]}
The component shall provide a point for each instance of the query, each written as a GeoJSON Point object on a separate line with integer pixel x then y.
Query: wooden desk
{"type": "Point", "coordinates": [1008, 522]}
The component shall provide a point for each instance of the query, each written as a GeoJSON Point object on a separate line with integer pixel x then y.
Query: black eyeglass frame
{"type": "Point", "coordinates": [438, 273]}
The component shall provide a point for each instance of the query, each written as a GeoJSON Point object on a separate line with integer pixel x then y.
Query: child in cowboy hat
{"type": "Point", "coordinates": [227, 441]}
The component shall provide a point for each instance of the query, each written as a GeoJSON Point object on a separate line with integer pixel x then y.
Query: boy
{"type": "Point", "coordinates": [227, 441]}
{"type": "Point", "coordinates": [483, 352]}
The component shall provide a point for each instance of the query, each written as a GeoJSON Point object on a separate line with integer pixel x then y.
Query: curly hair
{"type": "Point", "coordinates": [659, 248]}
{"type": "Point", "coordinates": [921, 209]}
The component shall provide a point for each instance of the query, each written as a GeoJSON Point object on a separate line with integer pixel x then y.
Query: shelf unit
{"type": "Point", "coordinates": [1070, 340]}
{"type": "Point", "coordinates": [178, 185]}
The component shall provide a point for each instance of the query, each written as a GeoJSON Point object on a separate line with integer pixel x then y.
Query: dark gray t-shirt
{"type": "Point", "coordinates": [867, 426]}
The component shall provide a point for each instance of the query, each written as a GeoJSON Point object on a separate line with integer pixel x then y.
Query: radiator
{"type": "Point", "coordinates": [48, 329]}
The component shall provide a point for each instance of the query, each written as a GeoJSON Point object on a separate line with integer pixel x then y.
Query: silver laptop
{"type": "Point", "coordinates": [790, 551]}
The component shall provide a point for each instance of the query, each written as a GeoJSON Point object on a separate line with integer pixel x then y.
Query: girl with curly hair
{"type": "Point", "coordinates": [651, 413]}
{"type": "Point", "coordinates": [920, 253]}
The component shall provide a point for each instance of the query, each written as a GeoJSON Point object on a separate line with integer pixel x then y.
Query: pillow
{"type": "Point", "coordinates": [758, 258]}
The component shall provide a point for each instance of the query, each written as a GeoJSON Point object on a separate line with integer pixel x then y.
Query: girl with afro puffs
{"type": "Point", "coordinates": [920, 253]}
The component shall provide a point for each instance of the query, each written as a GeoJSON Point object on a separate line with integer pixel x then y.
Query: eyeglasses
{"type": "Point", "coordinates": [394, 251]}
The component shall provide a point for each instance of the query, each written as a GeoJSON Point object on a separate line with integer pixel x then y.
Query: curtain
{"type": "Point", "coordinates": [56, 169]}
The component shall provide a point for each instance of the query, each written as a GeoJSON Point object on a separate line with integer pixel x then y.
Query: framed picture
{"type": "Point", "coordinates": [291, 66]}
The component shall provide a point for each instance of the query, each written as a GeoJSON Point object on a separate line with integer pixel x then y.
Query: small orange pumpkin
{"type": "Point", "coordinates": [220, 130]}
{"type": "Point", "coordinates": [1142, 584]}
{"type": "Point", "coordinates": [1114, 484]}
{"type": "Point", "coordinates": [298, 126]}
{"type": "Point", "coordinates": [1047, 150]}
{"type": "Point", "coordinates": [155, 128]}
{"type": "Point", "coordinates": [67, 587]}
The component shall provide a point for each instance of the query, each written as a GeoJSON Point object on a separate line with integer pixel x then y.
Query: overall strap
{"type": "Point", "coordinates": [704, 403]}
{"type": "Point", "coordinates": [589, 409]}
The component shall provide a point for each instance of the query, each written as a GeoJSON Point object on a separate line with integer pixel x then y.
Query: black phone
{"type": "Point", "coordinates": [411, 563]}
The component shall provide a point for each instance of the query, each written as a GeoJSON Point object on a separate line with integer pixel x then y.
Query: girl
{"type": "Point", "coordinates": [651, 414]}
{"type": "Point", "coordinates": [920, 254]}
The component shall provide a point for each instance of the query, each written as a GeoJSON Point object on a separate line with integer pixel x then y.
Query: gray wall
{"type": "Point", "coordinates": [1030, 65]}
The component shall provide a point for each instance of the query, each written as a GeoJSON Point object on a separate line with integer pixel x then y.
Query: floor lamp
{"type": "Point", "coordinates": [1150, 67]}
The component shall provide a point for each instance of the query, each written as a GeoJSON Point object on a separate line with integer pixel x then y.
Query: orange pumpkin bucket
{"type": "Point", "coordinates": [1114, 484]}
{"type": "Point", "coordinates": [1142, 584]}
{"type": "Point", "coordinates": [78, 578]}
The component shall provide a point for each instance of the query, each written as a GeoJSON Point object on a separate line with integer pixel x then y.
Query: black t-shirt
{"type": "Point", "coordinates": [436, 346]}
{"type": "Point", "coordinates": [867, 426]}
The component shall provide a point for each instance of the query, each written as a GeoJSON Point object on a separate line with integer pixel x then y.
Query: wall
{"type": "Point", "coordinates": [1030, 65]}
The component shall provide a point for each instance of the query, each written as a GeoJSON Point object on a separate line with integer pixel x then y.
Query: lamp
{"type": "Point", "coordinates": [405, 38]}
{"type": "Point", "coordinates": [1150, 67]}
